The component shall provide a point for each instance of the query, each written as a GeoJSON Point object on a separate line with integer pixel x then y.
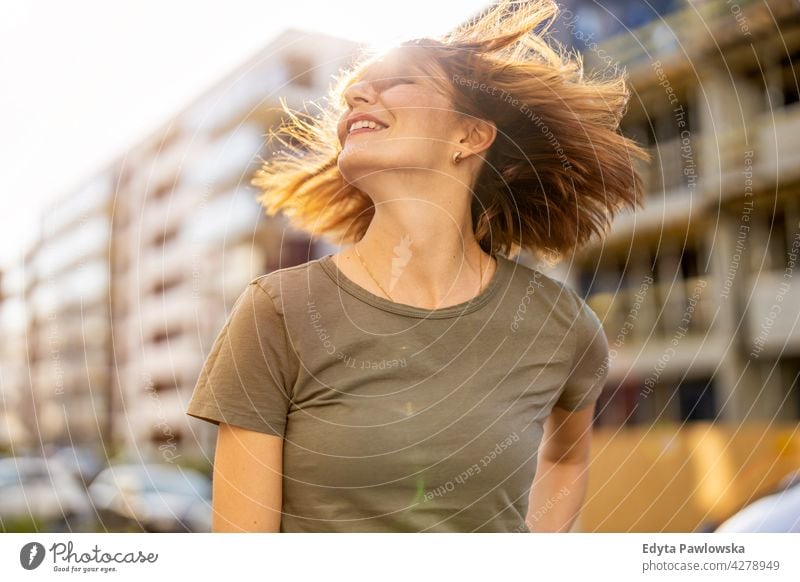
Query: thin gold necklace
{"type": "Point", "coordinates": [360, 258]}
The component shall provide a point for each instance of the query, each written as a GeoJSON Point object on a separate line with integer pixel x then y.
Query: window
{"type": "Point", "coordinates": [777, 248]}
{"type": "Point", "coordinates": [161, 191]}
{"type": "Point", "coordinates": [299, 69]}
{"type": "Point", "coordinates": [697, 400]}
{"type": "Point", "coordinates": [162, 386]}
{"type": "Point", "coordinates": [168, 235]}
{"type": "Point", "coordinates": [160, 336]}
{"type": "Point", "coordinates": [790, 77]}
{"type": "Point", "coordinates": [167, 283]}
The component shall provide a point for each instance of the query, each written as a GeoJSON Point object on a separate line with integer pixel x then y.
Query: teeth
{"type": "Point", "coordinates": [365, 123]}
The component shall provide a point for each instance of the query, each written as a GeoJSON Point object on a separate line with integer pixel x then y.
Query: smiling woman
{"type": "Point", "coordinates": [555, 176]}
{"type": "Point", "coordinates": [437, 160]}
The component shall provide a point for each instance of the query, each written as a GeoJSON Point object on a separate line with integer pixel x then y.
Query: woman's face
{"type": "Point", "coordinates": [415, 125]}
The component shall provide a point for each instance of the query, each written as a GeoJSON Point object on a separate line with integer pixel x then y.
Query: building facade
{"type": "Point", "coordinates": [189, 236]}
{"type": "Point", "coordinates": [63, 396]}
{"type": "Point", "coordinates": [698, 292]}
{"type": "Point", "coordinates": [110, 315]}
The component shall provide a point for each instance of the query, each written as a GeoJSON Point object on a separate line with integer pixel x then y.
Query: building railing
{"type": "Point", "coordinates": [674, 167]}
{"type": "Point", "coordinates": [655, 311]}
{"type": "Point", "coordinates": [673, 33]}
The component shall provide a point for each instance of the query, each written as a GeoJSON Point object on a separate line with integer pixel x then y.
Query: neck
{"type": "Point", "coordinates": [421, 250]}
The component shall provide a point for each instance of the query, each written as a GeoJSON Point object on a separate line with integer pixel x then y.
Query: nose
{"type": "Point", "coordinates": [360, 92]}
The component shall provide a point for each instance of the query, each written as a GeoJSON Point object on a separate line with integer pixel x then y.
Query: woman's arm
{"type": "Point", "coordinates": [559, 487]}
{"type": "Point", "coordinates": [247, 483]}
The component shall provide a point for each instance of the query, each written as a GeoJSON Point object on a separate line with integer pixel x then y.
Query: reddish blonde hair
{"type": "Point", "coordinates": [559, 168]}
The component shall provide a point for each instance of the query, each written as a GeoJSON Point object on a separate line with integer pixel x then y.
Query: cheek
{"type": "Point", "coordinates": [433, 121]}
{"type": "Point", "coordinates": [436, 132]}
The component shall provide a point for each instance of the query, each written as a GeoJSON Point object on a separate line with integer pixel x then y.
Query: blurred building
{"type": "Point", "coordinates": [58, 322]}
{"type": "Point", "coordinates": [698, 292]}
{"type": "Point", "coordinates": [189, 235]}
{"type": "Point", "coordinates": [14, 388]}
{"type": "Point", "coordinates": [584, 23]}
{"type": "Point", "coordinates": [109, 316]}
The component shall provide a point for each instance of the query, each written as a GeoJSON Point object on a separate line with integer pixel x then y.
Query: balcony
{"type": "Point", "coordinates": [83, 243]}
{"type": "Point", "coordinates": [164, 262]}
{"type": "Point", "coordinates": [674, 167]}
{"type": "Point", "coordinates": [673, 192]}
{"type": "Point", "coordinates": [160, 416]}
{"type": "Point", "coordinates": [75, 333]}
{"type": "Point", "coordinates": [773, 321]}
{"type": "Point", "coordinates": [164, 168]}
{"type": "Point", "coordinates": [643, 322]}
{"type": "Point", "coordinates": [167, 214]}
{"type": "Point", "coordinates": [173, 311]}
{"type": "Point", "coordinates": [225, 161]}
{"type": "Point", "coordinates": [777, 141]}
{"type": "Point", "coordinates": [690, 31]}
{"type": "Point", "coordinates": [767, 159]}
{"type": "Point", "coordinates": [92, 199]}
{"type": "Point", "coordinates": [86, 285]}
{"type": "Point", "coordinates": [53, 377]}
{"type": "Point", "coordinates": [164, 362]}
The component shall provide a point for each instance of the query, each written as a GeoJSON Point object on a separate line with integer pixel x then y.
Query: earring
{"type": "Point", "coordinates": [456, 157]}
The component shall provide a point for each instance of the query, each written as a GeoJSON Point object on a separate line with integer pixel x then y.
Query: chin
{"type": "Point", "coordinates": [359, 162]}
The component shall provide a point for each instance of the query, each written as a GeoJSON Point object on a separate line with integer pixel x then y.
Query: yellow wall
{"type": "Point", "coordinates": [673, 479]}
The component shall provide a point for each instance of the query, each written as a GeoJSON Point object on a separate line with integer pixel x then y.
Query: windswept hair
{"type": "Point", "coordinates": [559, 168]}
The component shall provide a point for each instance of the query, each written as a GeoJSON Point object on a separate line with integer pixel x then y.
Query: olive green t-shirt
{"type": "Point", "coordinates": [397, 418]}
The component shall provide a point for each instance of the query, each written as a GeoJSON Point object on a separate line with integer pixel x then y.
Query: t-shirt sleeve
{"type": "Point", "coordinates": [591, 362]}
{"type": "Point", "coordinates": [246, 379]}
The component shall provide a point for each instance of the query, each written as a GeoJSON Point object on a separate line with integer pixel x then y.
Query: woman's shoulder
{"type": "Point", "coordinates": [531, 280]}
{"type": "Point", "coordinates": [288, 283]}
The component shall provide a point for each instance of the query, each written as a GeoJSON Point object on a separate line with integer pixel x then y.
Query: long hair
{"type": "Point", "coordinates": [557, 172]}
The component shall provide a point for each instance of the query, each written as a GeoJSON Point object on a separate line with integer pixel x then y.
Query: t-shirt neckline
{"type": "Point", "coordinates": [339, 278]}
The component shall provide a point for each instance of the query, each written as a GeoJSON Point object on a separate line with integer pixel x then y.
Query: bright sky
{"type": "Point", "coordinates": [82, 81]}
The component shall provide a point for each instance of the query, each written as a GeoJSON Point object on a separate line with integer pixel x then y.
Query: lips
{"type": "Point", "coordinates": [366, 130]}
{"type": "Point", "coordinates": [362, 119]}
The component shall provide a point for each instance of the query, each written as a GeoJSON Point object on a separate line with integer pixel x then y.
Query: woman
{"type": "Point", "coordinates": [419, 379]}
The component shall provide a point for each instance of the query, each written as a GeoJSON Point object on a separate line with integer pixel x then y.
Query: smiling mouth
{"type": "Point", "coordinates": [365, 130]}
{"type": "Point", "coordinates": [365, 126]}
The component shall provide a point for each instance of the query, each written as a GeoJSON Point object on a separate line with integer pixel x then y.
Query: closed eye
{"type": "Point", "coordinates": [383, 84]}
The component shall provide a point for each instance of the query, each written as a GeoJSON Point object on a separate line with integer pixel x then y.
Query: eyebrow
{"type": "Point", "coordinates": [392, 69]}
{"type": "Point", "coordinates": [383, 70]}
{"type": "Point", "coordinates": [379, 71]}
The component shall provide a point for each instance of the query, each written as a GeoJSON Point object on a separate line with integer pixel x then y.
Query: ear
{"type": "Point", "coordinates": [477, 137]}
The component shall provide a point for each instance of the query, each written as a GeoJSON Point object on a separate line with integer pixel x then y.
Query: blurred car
{"type": "Point", "coordinates": [777, 512]}
{"type": "Point", "coordinates": [82, 462]}
{"type": "Point", "coordinates": [36, 490]}
{"type": "Point", "coordinates": [159, 498]}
